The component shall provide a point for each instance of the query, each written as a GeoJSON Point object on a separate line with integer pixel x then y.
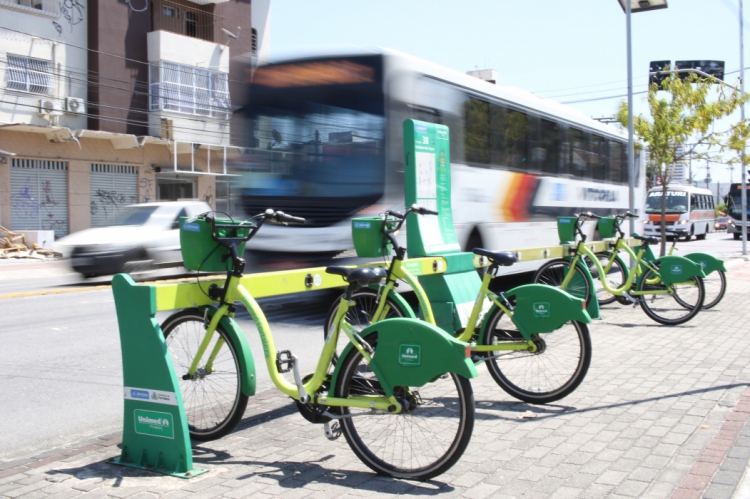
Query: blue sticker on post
{"type": "Point", "coordinates": [362, 225]}
{"type": "Point", "coordinates": [191, 227]}
{"type": "Point", "coordinates": [419, 128]}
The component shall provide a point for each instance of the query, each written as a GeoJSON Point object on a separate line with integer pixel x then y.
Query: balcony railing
{"type": "Point", "coordinates": [177, 17]}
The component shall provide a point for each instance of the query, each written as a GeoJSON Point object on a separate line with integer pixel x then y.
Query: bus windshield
{"type": "Point", "coordinates": [734, 204]}
{"type": "Point", "coordinates": [677, 202]}
{"type": "Point", "coordinates": [319, 148]}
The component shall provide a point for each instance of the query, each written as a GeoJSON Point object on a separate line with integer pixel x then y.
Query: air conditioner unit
{"type": "Point", "coordinates": [75, 105]}
{"type": "Point", "coordinates": [50, 107]}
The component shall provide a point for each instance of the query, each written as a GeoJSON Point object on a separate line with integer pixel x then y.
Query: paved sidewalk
{"type": "Point", "coordinates": [662, 413]}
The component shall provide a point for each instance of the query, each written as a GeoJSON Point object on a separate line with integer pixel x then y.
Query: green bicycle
{"type": "Point", "coordinates": [508, 331]}
{"type": "Point", "coordinates": [668, 289]}
{"type": "Point", "coordinates": [617, 272]}
{"type": "Point", "coordinates": [399, 393]}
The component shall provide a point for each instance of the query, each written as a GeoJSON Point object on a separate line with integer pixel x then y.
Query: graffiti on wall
{"type": "Point", "coordinates": [110, 199]}
{"type": "Point", "coordinates": [23, 204]}
{"type": "Point", "coordinates": [73, 12]}
{"type": "Point", "coordinates": [147, 186]}
{"type": "Point", "coordinates": [49, 222]}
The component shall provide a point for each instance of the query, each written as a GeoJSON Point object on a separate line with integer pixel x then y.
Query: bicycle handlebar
{"type": "Point", "coordinates": [401, 217]}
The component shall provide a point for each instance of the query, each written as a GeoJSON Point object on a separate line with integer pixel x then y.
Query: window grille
{"type": "Point", "coordinates": [28, 75]}
{"type": "Point", "coordinates": [188, 89]}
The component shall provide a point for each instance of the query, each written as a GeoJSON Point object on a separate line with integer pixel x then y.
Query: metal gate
{"type": "Point", "coordinates": [39, 195]}
{"type": "Point", "coordinates": [112, 187]}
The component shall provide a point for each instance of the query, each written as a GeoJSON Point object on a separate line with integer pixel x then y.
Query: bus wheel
{"type": "Point", "coordinates": [736, 236]}
{"type": "Point", "coordinates": [474, 241]}
{"type": "Point", "coordinates": [688, 237]}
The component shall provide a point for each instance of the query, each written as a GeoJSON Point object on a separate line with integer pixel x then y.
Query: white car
{"type": "Point", "coordinates": [143, 236]}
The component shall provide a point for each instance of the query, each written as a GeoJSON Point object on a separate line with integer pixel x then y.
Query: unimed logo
{"type": "Point", "coordinates": [541, 309]}
{"type": "Point", "coordinates": [677, 269]}
{"type": "Point", "coordinates": [409, 355]}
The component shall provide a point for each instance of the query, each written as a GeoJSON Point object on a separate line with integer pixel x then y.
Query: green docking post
{"type": "Point", "coordinates": [155, 434]}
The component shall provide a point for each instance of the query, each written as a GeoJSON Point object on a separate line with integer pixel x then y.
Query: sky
{"type": "Point", "coordinates": [572, 51]}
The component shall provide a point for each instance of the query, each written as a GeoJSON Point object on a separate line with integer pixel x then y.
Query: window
{"type": "Point", "coordinates": [28, 75]}
{"type": "Point", "coordinates": [617, 164]}
{"type": "Point", "coordinates": [578, 152]}
{"type": "Point", "coordinates": [549, 145]}
{"type": "Point", "coordinates": [254, 41]}
{"type": "Point", "coordinates": [477, 131]}
{"type": "Point", "coordinates": [597, 157]}
{"type": "Point", "coordinates": [191, 90]}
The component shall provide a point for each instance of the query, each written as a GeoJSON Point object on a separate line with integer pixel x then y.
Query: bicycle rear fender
{"type": "Point", "coordinates": [244, 354]}
{"type": "Point", "coordinates": [707, 262]}
{"type": "Point", "coordinates": [544, 309]}
{"type": "Point", "coordinates": [412, 353]}
{"type": "Point", "coordinates": [674, 269]}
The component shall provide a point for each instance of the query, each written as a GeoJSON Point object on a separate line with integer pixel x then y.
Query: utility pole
{"type": "Point", "coordinates": [743, 173]}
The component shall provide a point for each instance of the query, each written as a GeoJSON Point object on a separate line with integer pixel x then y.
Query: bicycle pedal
{"type": "Point", "coordinates": [284, 361]}
{"type": "Point", "coordinates": [332, 430]}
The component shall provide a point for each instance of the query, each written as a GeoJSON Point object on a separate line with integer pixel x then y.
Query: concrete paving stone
{"type": "Point", "coordinates": [740, 453]}
{"type": "Point", "coordinates": [25, 489]}
{"type": "Point", "coordinates": [727, 477]}
{"type": "Point", "coordinates": [631, 488]}
{"type": "Point", "coordinates": [566, 492]}
{"type": "Point", "coordinates": [595, 466]}
{"type": "Point", "coordinates": [609, 455]}
{"type": "Point", "coordinates": [665, 449]}
{"type": "Point", "coordinates": [481, 490]}
{"type": "Point", "coordinates": [611, 477]}
{"type": "Point", "coordinates": [597, 491]}
{"type": "Point", "coordinates": [719, 491]}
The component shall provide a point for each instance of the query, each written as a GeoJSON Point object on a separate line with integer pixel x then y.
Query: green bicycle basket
{"type": "Point", "coordinates": [607, 227]}
{"type": "Point", "coordinates": [566, 229]}
{"type": "Point", "coordinates": [201, 252]}
{"type": "Point", "coordinates": [369, 240]}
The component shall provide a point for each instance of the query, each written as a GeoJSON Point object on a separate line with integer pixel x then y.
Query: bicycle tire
{"type": "Point", "coordinates": [418, 444]}
{"type": "Point", "coordinates": [365, 303]}
{"type": "Point", "coordinates": [714, 285]}
{"type": "Point", "coordinates": [214, 402]}
{"type": "Point", "coordinates": [543, 377]}
{"type": "Point", "coordinates": [667, 309]}
{"type": "Point", "coordinates": [615, 277]}
{"type": "Point", "coordinates": [553, 272]}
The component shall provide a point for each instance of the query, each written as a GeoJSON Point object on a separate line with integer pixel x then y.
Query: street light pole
{"type": "Point", "coordinates": [743, 173]}
{"type": "Point", "coordinates": [631, 135]}
{"type": "Point", "coordinates": [641, 6]}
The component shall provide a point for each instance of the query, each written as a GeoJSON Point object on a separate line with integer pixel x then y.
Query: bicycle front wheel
{"type": "Point", "coordinates": [213, 399]}
{"type": "Point", "coordinates": [552, 372]}
{"type": "Point", "coordinates": [677, 308]}
{"type": "Point", "coordinates": [615, 276]}
{"type": "Point", "coordinates": [553, 273]}
{"type": "Point", "coordinates": [715, 285]}
{"type": "Point", "coordinates": [424, 440]}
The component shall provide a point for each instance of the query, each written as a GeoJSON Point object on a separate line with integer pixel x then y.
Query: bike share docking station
{"type": "Point", "coordinates": [155, 429]}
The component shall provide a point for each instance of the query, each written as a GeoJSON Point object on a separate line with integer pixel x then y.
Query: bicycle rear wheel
{"type": "Point", "coordinates": [553, 273]}
{"type": "Point", "coordinates": [715, 285]}
{"type": "Point", "coordinates": [360, 314]}
{"type": "Point", "coordinates": [421, 442]}
{"type": "Point", "coordinates": [214, 402]}
{"type": "Point", "coordinates": [668, 309]}
{"type": "Point", "coordinates": [553, 372]}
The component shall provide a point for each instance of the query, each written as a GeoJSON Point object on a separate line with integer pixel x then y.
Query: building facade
{"type": "Point", "coordinates": [105, 104]}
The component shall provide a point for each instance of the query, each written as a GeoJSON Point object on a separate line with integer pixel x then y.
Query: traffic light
{"type": "Point", "coordinates": [655, 67]}
{"type": "Point", "coordinates": [714, 68]}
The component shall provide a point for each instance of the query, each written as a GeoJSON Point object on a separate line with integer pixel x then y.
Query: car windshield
{"type": "Point", "coordinates": [134, 215]}
{"type": "Point", "coordinates": [677, 202]}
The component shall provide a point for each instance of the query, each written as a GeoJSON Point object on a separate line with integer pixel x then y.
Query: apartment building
{"type": "Point", "coordinates": [107, 103]}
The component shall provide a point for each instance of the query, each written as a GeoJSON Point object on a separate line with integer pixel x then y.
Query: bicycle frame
{"type": "Point", "coordinates": [398, 271]}
{"type": "Point", "coordinates": [234, 291]}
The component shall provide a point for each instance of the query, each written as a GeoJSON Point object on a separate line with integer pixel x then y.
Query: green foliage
{"type": "Point", "coordinates": [721, 209]}
{"type": "Point", "coordinates": [680, 127]}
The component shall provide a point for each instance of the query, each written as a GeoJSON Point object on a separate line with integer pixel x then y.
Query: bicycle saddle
{"type": "Point", "coordinates": [504, 258]}
{"type": "Point", "coordinates": [362, 276]}
{"type": "Point", "coordinates": [647, 239]}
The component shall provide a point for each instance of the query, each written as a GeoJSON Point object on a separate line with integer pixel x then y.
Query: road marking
{"type": "Point", "coordinates": [95, 288]}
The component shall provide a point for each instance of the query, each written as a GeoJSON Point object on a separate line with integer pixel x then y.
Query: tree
{"type": "Point", "coordinates": [681, 126]}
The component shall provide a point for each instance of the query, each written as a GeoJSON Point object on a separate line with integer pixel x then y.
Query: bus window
{"type": "Point", "coordinates": [694, 202]}
{"type": "Point", "coordinates": [597, 158]}
{"type": "Point", "coordinates": [577, 161]}
{"type": "Point", "coordinates": [515, 132]}
{"type": "Point", "coordinates": [536, 155]}
{"type": "Point", "coordinates": [477, 131]}
{"type": "Point", "coordinates": [549, 146]}
{"type": "Point", "coordinates": [616, 165]}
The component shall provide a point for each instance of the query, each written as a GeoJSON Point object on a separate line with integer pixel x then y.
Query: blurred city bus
{"type": "Point", "coordinates": [734, 210]}
{"type": "Point", "coordinates": [328, 145]}
{"type": "Point", "coordinates": [689, 211]}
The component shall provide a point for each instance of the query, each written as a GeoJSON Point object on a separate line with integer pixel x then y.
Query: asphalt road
{"type": "Point", "coordinates": [61, 369]}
